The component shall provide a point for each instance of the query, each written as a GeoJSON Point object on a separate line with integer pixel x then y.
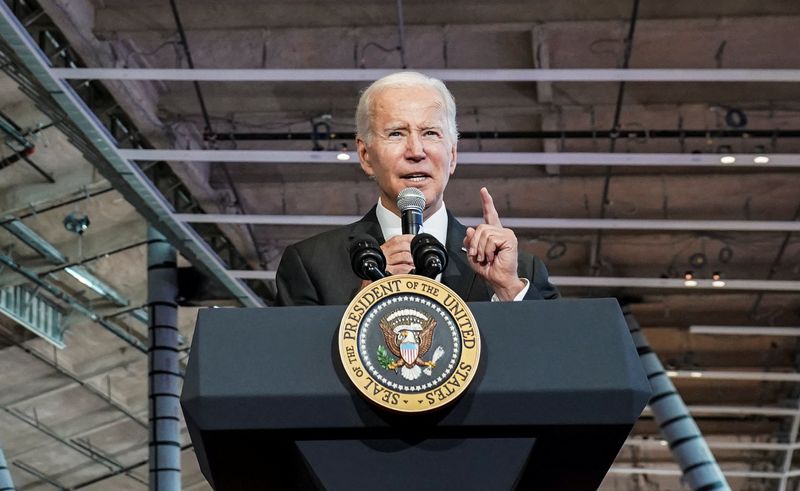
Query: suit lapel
{"type": "Point", "coordinates": [458, 275]}
{"type": "Point", "coordinates": [367, 225]}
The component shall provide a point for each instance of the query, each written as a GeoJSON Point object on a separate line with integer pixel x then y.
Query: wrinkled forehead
{"type": "Point", "coordinates": [386, 98]}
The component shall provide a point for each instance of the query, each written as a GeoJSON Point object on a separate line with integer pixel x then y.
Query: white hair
{"type": "Point", "coordinates": [364, 111]}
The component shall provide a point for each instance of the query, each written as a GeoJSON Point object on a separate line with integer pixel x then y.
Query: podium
{"type": "Point", "coordinates": [268, 405]}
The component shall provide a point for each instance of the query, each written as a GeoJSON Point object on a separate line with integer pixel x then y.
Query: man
{"type": "Point", "coordinates": [407, 137]}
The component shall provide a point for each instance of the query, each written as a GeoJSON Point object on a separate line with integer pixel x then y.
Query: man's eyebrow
{"type": "Point", "coordinates": [395, 126]}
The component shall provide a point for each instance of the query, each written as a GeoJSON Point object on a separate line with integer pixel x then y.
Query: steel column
{"type": "Point", "coordinates": [6, 484]}
{"type": "Point", "coordinates": [164, 370]}
{"type": "Point", "coordinates": [699, 467]}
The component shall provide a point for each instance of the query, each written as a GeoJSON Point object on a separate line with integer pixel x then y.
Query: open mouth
{"type": "Point", "coordinates": [416, 177]}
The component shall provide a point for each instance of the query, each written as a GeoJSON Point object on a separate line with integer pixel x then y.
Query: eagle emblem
{"type": "Point", "coordinates": [409, 335]}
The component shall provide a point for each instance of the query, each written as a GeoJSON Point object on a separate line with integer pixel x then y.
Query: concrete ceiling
{"type": "Point", "coordinates": [65, 392]}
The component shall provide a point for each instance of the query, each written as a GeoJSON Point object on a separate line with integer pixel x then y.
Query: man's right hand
{"type": "Point", "coordinates": [397, 251]}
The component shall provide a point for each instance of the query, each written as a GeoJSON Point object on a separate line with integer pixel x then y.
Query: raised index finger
{"type": "Point", "coordinates": [490, 216]}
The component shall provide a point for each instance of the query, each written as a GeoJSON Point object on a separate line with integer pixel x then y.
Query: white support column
{"type": "Point", "coordinates": [163, 370]}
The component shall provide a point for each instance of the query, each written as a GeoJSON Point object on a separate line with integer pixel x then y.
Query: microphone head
{"type": "Point", "coordinates": [430, 256]}
{"type": "Point", "coordinates": [364, 250]}
{"type": "Point", "coordinates": [411, 199]}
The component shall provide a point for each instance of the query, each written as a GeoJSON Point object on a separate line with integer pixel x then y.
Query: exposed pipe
{"type": "Point", "coordinates": [128, 468]}
{"type": "Point", "coordinates": [24, 157]}
{"type": "Point", "coordinates": [74, 377]}
{"type": "Point", "coordinates": [700, 468]}
{"type": "Point", "coordinates": [102, 255]}
{"type": "Point", "coordinates": [163, 365]}
{"type": "Point", "coordinates": [34, 423]}
{"type": "Point", "coordinates": [401, 34]}
{"type": "Point", "coordinates": [207, 120]}
{"type": "Point", "coordinates": [39, 475]}
{"type": "Point", "coordinates": [595, 256]}
{"type": "Point", "coordinates": [190, 62]}
{"type": "Point", "coordinates": [23, 62]}
{"type": "Point", "coordinates": [55, 204]}
{"type": "Point", "coordinates": [775, 263]}
{"type": "Point", "coordinates": [74, 303]}
{"type": "Point", "coordinates": [6, 483]}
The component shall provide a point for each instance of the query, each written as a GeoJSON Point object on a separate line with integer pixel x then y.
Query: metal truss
{"type": "Point", "coordinates": [96, 141]}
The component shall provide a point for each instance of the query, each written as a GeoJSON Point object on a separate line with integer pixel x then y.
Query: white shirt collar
{"type": "Point", "coordinates": [391, 225]}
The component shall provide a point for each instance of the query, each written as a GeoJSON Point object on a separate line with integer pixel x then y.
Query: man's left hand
{"type": "Point", "coordinates": [492, 252]}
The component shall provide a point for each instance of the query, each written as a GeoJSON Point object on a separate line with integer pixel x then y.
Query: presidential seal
{"type": "Point", "coordinates": [409, 343]}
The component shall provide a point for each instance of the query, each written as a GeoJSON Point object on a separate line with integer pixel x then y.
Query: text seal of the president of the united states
{"type": "Point", "coordinates": [409, 343]}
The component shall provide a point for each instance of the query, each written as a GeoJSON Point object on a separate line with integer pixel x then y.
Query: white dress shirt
{"type": "Point", "coordinates": [436, 225]}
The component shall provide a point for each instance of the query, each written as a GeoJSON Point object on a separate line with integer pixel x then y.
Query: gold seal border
{"type": "Point", "coordinates": [391, 286]}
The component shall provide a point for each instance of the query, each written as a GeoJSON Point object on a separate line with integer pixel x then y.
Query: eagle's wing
{"type": "Point", "coordinates": [426, 336]}
{"type": "Point", "coordinates": [391, 340]}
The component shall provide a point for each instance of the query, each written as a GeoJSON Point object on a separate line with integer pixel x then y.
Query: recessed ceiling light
{"type": "Point", "coordinates": [688, 279]}
{"type": "Point", "coordinates": [717, 280]}
{"type": "Point", "coordinates": [727, 159]}
{"type": "Point", "coordinates": [761, 159]}
{"type": "Point", "coordinates": [343, 154]}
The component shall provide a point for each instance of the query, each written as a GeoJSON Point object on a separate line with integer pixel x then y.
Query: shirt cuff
{"type": "Point", "coordinates": [520, 295]}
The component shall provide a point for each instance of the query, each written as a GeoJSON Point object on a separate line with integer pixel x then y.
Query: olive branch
{"type": "Point", "coordinates": [383, 357]}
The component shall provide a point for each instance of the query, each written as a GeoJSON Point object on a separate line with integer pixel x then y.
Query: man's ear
{"type": "Point", "coordinates": [363, 157]}
{"type": "Point", "coordinates": [453, 158]}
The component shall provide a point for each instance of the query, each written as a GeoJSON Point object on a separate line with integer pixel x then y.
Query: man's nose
{"type": "Point", "coordinates": [415, 150]}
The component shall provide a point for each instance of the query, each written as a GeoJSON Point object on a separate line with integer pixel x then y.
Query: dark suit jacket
{"type": "Point", "coordinates": [317, 270]}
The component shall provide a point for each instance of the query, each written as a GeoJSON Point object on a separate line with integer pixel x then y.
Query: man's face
{"type": "Point", "coordinates": [409, 146]}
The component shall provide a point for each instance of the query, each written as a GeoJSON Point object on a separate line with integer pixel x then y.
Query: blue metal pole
{"type": "Point", "coordinates": [700, 469]}
{"type": "Point", "coordinates": [6, 484]}
{"type": "Point", "coordinates": [164, 369]}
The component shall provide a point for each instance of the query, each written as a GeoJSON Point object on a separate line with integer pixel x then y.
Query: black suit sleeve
{"type": "Point", "coordinates": [541, 288]}
{"type": "Point", "coordinates": [293, 281]}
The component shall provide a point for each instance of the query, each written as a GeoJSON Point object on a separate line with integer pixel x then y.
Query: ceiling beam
{"type": "Point", "coordinates": [517, 223]}
{"type": "Point", "coordinates": [616, 282]}
{"type": "Point", "coordinates": [447, 75]}
{"type": "Point", "coordinates": [746, 330]}
{"type": "Point", "coordinates": [473, 158]}
{"type": "Point", "coordinates": [738, 375]}
{"type": "Point", "coordinates": [674, 471]}
{"type": "Point", "coordinates": [737, 410]}
{"type": "Point", "coordinates": [673, 283]}
{"type": "Point", "coordinates": [658, 441]}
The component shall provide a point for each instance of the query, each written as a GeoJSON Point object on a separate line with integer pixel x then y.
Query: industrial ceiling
{"type": "Point", "coordinates": [601, 129]}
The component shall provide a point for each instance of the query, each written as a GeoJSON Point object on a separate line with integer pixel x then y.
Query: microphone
{"type": "Point", "coordinates": [411, 202]}
{"type": "Point", "coordinates": [366, 258]}
{"type": "Point", "coordinates": [430, 257]}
